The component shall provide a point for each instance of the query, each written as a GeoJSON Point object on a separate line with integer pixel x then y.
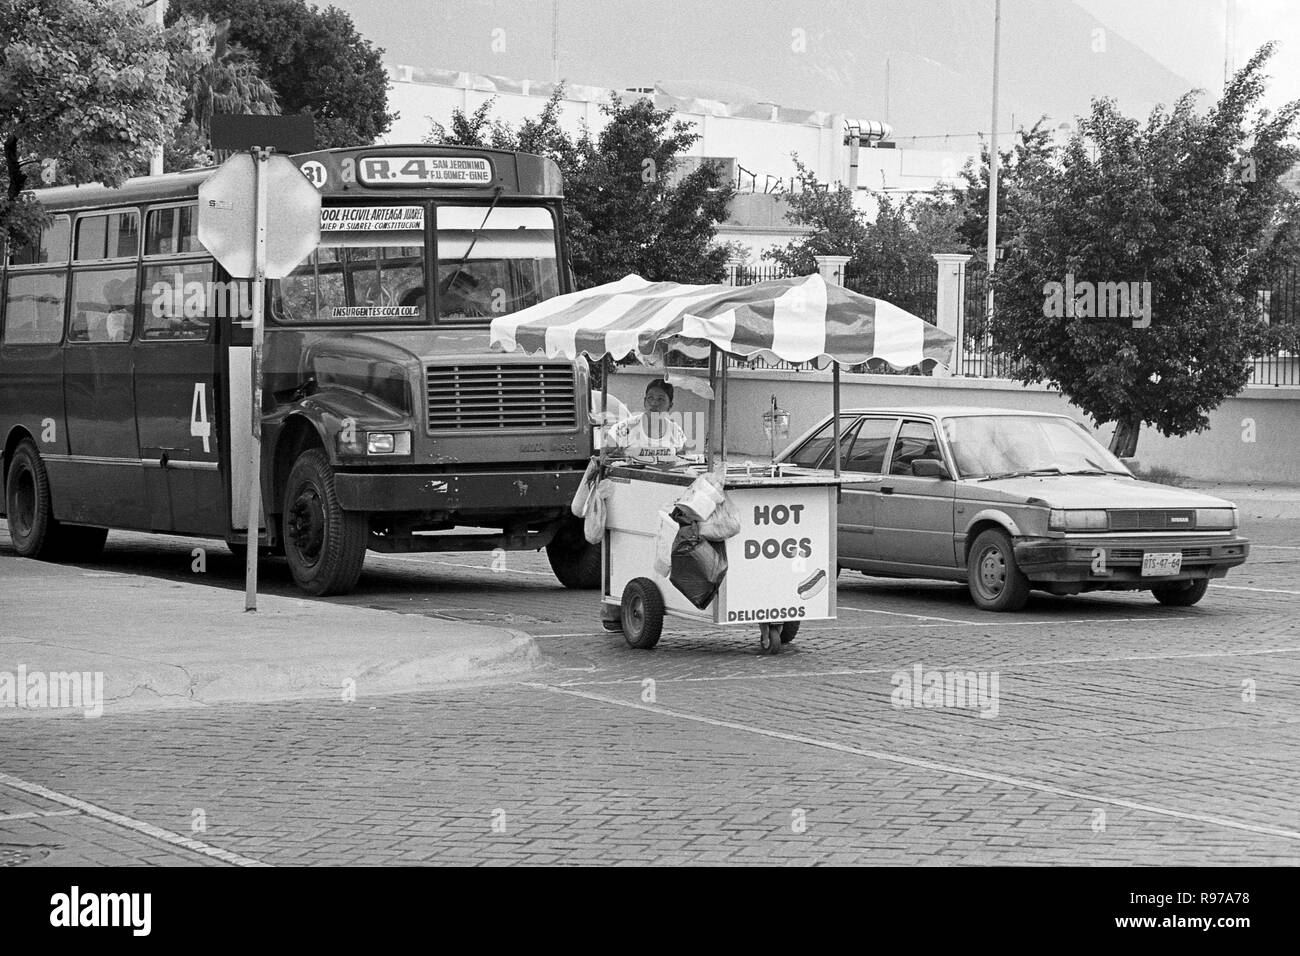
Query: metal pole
{"type": "Point", "coordinates": [261, 156]}
{"type": "Point", "coordinates": [993, 157]}
{"type": "Point", "coordinates": [723, 426]}
{"type": "Point", "coordinates": [157, 16]}
{"type": "Point", "coordinates": [713, 403]}
{"type": "Point", "coordinates": [604, 404]}
{"type": "Point", "coordinates": [835, 411]}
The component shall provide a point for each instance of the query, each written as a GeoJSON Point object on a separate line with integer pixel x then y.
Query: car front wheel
{"type": "Point", "coordinates": [1183, 594]}
{"type": "Point", "coordinates": [992, 576]}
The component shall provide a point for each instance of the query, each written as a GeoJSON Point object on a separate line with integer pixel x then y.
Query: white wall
{"type": "Point", "coordinates": [1269, 415]}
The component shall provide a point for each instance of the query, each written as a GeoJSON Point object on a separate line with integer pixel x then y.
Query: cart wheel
{"type": "Point", "coordinates": [642, 613]}
{"type": "Point", "coordinates": [614, 626]}
{"type": "Point", "coordinates": [769, 638]}
{"type": "Point", "coordinates": [788, 631]}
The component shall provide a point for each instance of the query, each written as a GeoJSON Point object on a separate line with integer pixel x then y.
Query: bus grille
{"type": "Point", "coordinates": [1152, 519]}
{"type": "Point", "coordinates": [513, 397]}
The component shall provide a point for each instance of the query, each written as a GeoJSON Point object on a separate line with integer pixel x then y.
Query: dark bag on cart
{"type": "Point", "coordinates": [698, 566]}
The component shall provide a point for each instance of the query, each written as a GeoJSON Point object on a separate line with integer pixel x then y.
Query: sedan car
{"type": "Point", "coordinates": [1010, 501]}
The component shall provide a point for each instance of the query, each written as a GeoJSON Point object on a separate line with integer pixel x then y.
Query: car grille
{"type": "Point", "coordinates": [1153, 519]}
{"type": "Point", "coordinates": [1135, 554]}
{"type": "Point", "coordinates": [514, 397]}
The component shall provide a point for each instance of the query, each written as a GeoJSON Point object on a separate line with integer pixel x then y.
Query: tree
{"type": "Point", "coordinates": [84, 96]}
{"type": "Point", "coordinates": [626, 208]}
{"type": "Point", "coordinates": [886, 254]}
{"type": "Point", "coordinates": [314, 60]}
{"type": "Point", "coordinates": [217, 76]}
{"type": "Point", "coordinates": [1183, 204]}
{"type": "Point", "coordinates": [1021, 170]}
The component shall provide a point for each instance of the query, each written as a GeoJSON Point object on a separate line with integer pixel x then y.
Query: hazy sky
{"type": "Point", "coordinates": [1187, 37]}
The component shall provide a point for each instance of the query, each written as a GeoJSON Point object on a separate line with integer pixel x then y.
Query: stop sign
{"type": "Point", "coordinates": [227, 215]}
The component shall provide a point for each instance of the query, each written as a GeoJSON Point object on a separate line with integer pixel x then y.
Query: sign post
{"type": "Point", "coordinates": [282, 230]}
{"type": "Point", "coordinates": [261, 156]}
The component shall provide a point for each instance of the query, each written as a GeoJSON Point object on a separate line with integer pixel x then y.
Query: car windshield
{"type": "Point", "coordinates": [993, 446]}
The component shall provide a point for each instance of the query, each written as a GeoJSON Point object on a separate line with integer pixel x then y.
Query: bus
{"type": "Point", "coordinates": [125, 371]}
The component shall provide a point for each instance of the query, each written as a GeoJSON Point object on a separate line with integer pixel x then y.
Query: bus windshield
{"type": "Point", "coordinates": [370, 265]}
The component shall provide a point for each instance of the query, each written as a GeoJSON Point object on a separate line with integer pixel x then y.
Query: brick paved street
{"type": "Point", "coordinates": [1125, 733]}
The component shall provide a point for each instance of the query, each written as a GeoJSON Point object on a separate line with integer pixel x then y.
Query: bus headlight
{"type": "Point", "coordinates": [1063, 519]}
{"type": "Point", "coordinates": [388, 443]}
{"type": "Point", "coordinates": [1216, 519]}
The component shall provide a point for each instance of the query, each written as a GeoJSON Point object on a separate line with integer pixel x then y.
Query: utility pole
{"type": "Point", "coordinates": [1229, 40]}
{"type": "Point", "coordinates": [157, 13]}
{"type": "Point", "coordinates": [993, 158]}
{"type": "Point", "coordinates": [555, 41]}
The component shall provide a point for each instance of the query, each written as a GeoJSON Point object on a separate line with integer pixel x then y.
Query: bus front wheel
{"type": "Point", "coordinates": [32, 526]}
{"type": "Point", "coordinates": [325, 545]}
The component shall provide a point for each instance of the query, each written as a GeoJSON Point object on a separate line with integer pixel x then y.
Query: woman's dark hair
{"type": "Point", "coordinates": [663, 386]}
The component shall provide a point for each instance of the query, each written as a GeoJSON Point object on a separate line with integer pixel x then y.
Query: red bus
{"type": "Point", "coordinates": [125, 371]}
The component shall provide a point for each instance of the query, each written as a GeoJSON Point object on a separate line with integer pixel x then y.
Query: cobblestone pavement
{"type": "Point", "coordinates": [1124, 733]}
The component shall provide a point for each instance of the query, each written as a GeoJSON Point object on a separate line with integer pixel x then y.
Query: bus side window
{"type": "Point", "coordinates": [171, 231]}
{"type": "Point", "coordinates": [103, 306]}
{"type": "Point", "coordinates": [174, 301]}
{"type": "Point", "coordinates": [34, 308]}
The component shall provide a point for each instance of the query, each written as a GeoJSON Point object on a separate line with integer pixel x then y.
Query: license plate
{"type": "Point", "coordinates": [1160, 563]}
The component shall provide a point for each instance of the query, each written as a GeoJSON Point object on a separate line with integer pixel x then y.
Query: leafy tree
{"type": "Point", "coordinates": [84, 95]}
{"type": "Point", "coordinates": [314, 60]}
{"type": "Point", "coordinates": [1021, 169]}
{"type": "Point", "coordinates": [1184, 203]}
{"type": "Point", "coordinates": [626, 209]}
{"type": "Point", "coordinates": [217, 76]}
{"type": "Point", "coordinates": [887, 254]}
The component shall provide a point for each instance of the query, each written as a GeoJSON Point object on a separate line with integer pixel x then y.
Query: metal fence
{"type": "Point", "coordinates": [979, 355]}
{"type": "Point", "coordinates": [911, 292]}
{"type": "Point", "coordinates": [1279, 304]}
{"type": "Point", "coordinates": [980, 358]}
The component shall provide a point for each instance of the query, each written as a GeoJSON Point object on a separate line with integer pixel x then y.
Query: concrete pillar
{"type": "Point", "coordinates": [950, 298]}
{"type": "Point", "coordinates": [832, 268]}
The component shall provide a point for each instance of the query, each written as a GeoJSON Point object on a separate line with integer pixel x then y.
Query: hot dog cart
{"type": "Point", "coordinates": [777, 564]}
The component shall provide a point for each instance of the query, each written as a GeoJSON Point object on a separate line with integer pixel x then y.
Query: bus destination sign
{"type": "Point", "coordinates": [425, 171]}
{"type": "Point", "coordinates": [372, 218]}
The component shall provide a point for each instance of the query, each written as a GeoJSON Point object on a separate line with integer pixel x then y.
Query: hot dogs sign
{"type": "Point", "coordinates": [782, 560]}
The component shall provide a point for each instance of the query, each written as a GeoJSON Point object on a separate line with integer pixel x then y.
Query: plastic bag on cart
{"type": "Point", "coordinates": [701, 499]}
{"type": "Point", "coordinates": [698, 566]}
{"type": "Point", "coordinates": [593, 523]}
{"type": "Point", "coordinates": [582, 497]}
{"type": "Point", "coordinates": [724, 523]}
{"type": "Point", "coordinates": [664, 538]}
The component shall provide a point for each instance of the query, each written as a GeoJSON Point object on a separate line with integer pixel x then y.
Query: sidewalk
{"type": "Point", "coordinates": [169, 644]}
{"type": "Point", "coordinates": [1255, 500]}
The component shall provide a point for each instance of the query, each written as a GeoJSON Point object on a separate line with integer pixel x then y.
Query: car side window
{"type": "Point", "coordinates": [816, 447]}
{"type": "Point", "coordinates": [867, 453]}
{"type": "Point", "coordinates": [915, 440]}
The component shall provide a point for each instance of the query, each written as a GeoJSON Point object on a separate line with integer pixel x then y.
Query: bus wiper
{"type": "Point", "coordinates": [473, 239]}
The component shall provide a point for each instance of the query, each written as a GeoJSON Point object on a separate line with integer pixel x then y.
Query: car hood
{"type": "Point", "coordinates": [1090, 491]}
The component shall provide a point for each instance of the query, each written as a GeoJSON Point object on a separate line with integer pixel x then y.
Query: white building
{"type": "Point", "coordinates": [757, 141]}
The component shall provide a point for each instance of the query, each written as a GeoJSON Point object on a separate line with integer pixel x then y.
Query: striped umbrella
{"type": "Point", "coordinates": [799, 319]}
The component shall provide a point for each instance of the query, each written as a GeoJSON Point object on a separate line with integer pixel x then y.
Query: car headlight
{"type": "Point", "coordinates": [1222, 519]}
{"type": "Point", "coordinates": [388, 443]}
{"type": "Point", "coordinates": [1063, 519]}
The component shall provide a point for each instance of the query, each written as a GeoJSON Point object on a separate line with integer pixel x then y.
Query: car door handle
{"type": "Point", "coordinates": [886, 489]}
